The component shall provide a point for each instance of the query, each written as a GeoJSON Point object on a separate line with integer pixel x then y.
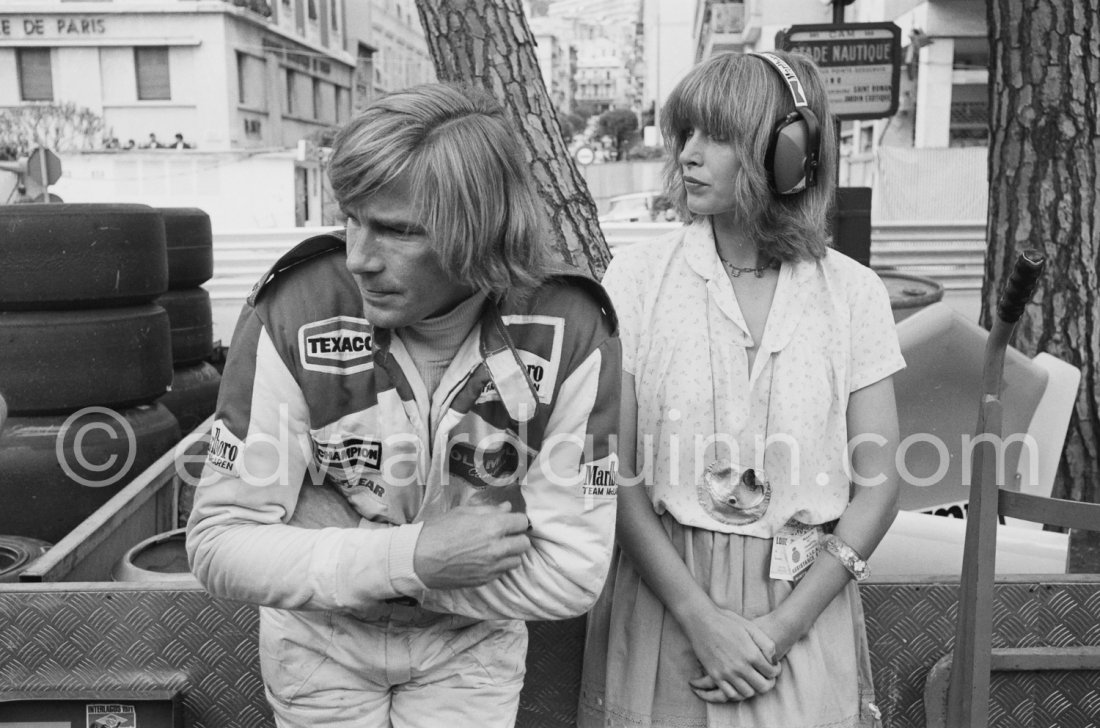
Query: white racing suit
{"type": "Point", "coordinates": [313, 397]}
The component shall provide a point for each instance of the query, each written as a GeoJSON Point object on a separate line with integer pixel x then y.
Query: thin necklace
{"type": "Point", "coordinates": [758, 271]}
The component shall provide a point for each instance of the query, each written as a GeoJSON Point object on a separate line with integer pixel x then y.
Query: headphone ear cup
{"type": "Point", "coordinates": [787, 153]}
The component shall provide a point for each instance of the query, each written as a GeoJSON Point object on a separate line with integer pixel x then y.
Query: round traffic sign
{"type": "Point", "coordinates": [584, 156]}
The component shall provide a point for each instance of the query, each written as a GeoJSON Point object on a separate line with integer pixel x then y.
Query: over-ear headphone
{"type": "Point", "coordinates": [792, 155]}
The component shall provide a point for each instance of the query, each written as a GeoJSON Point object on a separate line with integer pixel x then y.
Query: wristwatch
{"type": "Point", "coordinates": [847, 555]}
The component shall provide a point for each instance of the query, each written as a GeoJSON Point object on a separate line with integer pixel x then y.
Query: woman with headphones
{"type": "Point", "coordinates": [759, 427]}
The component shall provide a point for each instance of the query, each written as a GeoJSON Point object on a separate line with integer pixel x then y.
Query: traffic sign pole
{"type": "Point", "coordinates": [838, 17]}
{"type": "Point", "coordinates": [860, 64]}
{"type": "Point", "coordinates": [45, 176]}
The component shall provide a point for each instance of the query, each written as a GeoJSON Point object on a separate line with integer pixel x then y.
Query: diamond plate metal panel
{"type": "Point", "coordinates": [553, 683]}
{"type": "Point", "coordinates": [112, 638]}
{"type": "Point", "coordinates": [911, 626]}
{"type": "Point", "coordinates": [106, 639]}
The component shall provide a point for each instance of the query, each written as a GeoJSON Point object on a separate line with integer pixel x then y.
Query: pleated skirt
{"type": "Point", "coordinates": [638, 661]}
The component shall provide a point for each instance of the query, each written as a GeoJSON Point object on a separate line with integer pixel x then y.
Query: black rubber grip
{"type": "Point", "coordinates": [1021, 284]}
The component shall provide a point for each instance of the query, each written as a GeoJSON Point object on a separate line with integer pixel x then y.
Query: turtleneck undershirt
{"type": "Point", "coordinates": [433, 342]}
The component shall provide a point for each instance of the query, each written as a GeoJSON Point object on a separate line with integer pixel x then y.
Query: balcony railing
{"type": "Point", "coordinates": [260, 7]}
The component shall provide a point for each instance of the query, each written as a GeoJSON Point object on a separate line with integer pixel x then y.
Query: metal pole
{"type": "Point", "coordinates": [45, 175]}
{"type": "Point", "coordinates": [838, 17]}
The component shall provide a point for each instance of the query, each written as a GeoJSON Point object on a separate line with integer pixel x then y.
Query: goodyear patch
{"type": "Point", "coordinates": [337, 345]}
{"type": "Point", "coordinates": [110, 715]}
{"type": "Point", "coordinates": [225, 449]}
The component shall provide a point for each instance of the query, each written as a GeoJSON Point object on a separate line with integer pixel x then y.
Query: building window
{"type": "Point", "coordinates": [317, 98]}
{"type": "Point", "coordinates": [35, 74]}
{"type": "Point", "coordinates": [335, 12]}
{"type": "Point", "coordinates": [242, 78]}
{"type": "Point", "coordinates": [289, 92]}
{"type": "Point", "coordinates": [343, 106]}
{"type": "Point", "coordinates": [251, 81]}
{"type": "Point", "coordinates": [969, 123]}
{"type": "Point", "coordinates": [151, 66]}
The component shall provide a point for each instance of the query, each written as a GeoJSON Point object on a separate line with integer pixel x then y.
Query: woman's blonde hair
{"type": "Point", "coordinates": [739, 97]}
{"type": "Point", "coordinates": [457, 150]}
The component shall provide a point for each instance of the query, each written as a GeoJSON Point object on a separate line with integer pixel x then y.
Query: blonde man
{"type": "Point", "coordinates": [411, 451]}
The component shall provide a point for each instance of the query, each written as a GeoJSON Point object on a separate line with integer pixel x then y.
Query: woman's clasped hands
{"type": "Point", "coordinates": [738, 657]}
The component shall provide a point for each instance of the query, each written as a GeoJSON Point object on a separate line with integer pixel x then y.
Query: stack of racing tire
{"type": "Point", "coordinates": [84, 355]}
{"type": "Point", "coordinates": [195, 381]}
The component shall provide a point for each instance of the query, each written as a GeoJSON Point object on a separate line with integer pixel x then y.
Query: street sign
{"type": "Point", "coordinates": [860, 64]}
{"type": "Point", "coordinates": [43, 166]}
{"type": "Point", "coordinates": [584, 156]}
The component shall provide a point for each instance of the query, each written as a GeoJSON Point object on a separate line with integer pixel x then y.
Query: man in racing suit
{"type": "Point", "coordinates": [413, 449]}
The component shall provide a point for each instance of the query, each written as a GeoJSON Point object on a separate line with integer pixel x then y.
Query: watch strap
{"type": "Point", "coordinates": [847, 556]}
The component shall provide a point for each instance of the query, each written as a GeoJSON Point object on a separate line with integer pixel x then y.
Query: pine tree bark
{"type": "Point", "coordinates": [487, 43]}
{"type": "Point", "coordinates": [1043, 161]}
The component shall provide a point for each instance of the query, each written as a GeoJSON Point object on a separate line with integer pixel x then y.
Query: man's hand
{"type": "Point", "coordinates": [470, 546]}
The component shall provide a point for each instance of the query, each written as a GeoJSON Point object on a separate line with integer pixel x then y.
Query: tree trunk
{"type": "Point", "coordinates": [1043, 159]}
{"type": "Point", "coordinates": [487, 43]}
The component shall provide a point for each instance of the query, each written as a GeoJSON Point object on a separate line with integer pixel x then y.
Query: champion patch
{"type": "Point", "coordinates": [352, 452]}
{"type": "Point", "coordinates": [338, 345]}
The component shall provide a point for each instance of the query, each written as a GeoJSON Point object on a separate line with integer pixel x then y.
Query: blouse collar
{"type": "Point", "coordinates": [791, 292]}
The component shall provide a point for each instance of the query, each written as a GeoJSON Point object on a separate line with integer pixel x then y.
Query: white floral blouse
{"type": "Point", "coordinates": [830, 332]}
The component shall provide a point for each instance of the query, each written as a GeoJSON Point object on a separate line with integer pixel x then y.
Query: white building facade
{"type": "Point", "coordinates": [927, 161]}
{"type": "Point", "coordinates": [253, 87]}
{"type": "Point", "coordinates": [223, 76]}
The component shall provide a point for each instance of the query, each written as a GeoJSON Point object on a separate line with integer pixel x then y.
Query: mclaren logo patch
{"type": "Point", "coordinates": [601, 478]}
{"type": "Point", "coordinates": [224, 450]}
{"type": "Point", "coordinates": [339, 345]}
{"type": "Point", "coordinates": [549, 331]}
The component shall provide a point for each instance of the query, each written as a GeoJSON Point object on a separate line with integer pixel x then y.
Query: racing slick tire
{"type": "Point", "coordinates": [192, 323]}
{"type": "Point", "coordinates": [81, 255]}
{"type": "Point", "coordinates": [59, 361]}
{"type": "Point", "coordinates": [190, 245]}
{"type": "Point", "coordinates": [193, 395]}
{"type": "Point", "coordinates": [55, 470]}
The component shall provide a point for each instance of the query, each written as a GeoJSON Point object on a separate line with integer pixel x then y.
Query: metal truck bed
{"type": "Point", "coordinates": [68, 636]}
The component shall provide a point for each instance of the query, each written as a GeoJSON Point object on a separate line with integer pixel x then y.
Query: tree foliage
{"type": "Point", "coordinates": [63, 127]}
{"type": "Point", "coordinates": [571, 125]}
{"type": "Point", "coordinates": [620, 125]}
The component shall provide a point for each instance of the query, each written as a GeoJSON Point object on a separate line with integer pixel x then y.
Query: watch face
{"type": "Point", "coordinates": [860, 570]}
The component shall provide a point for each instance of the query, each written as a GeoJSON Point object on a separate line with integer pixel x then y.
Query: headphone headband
{"type": "Point", "coordinates": [793, 151]}
{"type": "Point", "coordinates": [787, 74]}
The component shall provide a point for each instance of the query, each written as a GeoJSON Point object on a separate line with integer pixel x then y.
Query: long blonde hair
{"type": "Point", "coordinates": [738, 97]}
{"type": "Point", "coordinates": [474, 193]}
